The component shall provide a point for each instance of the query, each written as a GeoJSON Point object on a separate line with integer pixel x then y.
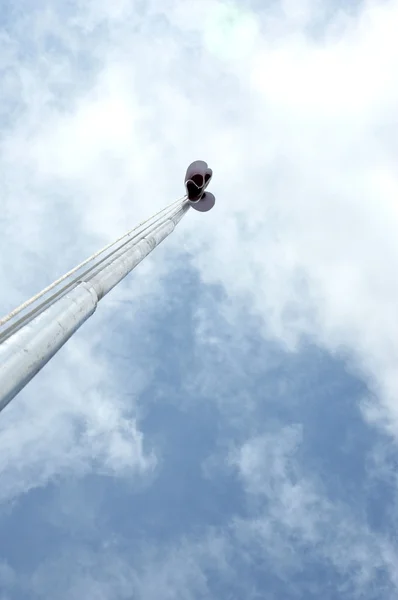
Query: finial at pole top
{"type": "Point", "coordinates": [197, 178]}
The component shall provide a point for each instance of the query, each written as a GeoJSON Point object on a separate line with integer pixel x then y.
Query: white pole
{"type": "Point", "coordinates": [26, 352]}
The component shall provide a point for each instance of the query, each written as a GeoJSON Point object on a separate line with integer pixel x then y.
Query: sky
{"type": "Point", "coordinates": [226, 425]}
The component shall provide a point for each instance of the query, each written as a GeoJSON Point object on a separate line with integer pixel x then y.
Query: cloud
{"type": "Point", "coordinates": [291, 539]}
{"type": "Point", "coordinates": [308, 233]}
{"type": "Point", "coordinates": [290, 508]}
{"type": "Point", "coordinates": [69, 426]}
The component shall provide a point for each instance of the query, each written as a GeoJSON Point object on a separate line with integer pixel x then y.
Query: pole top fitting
{"type": "Point", "coordinates": [197, 178]}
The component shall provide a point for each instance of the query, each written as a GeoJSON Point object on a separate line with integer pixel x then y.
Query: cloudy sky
{"type": "Point", "coordinates": [226, 425]}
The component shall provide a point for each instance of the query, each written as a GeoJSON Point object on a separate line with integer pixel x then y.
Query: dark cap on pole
{"type": "Point", "coordinates": [197, 178]}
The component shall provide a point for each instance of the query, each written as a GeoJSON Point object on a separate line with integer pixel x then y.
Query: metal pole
{"type": "Point", "coordinates": [28, 350]}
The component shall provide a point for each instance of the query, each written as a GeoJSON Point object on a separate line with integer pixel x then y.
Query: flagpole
{"type": "Point", "coordinates": [30, 348]}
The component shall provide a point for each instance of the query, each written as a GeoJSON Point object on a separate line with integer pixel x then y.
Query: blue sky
{"type": "Point", "coordinates": [225, 426]}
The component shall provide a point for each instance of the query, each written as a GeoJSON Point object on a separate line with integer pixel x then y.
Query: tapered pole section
{"type": "Point", "coordinates": [26, 352]}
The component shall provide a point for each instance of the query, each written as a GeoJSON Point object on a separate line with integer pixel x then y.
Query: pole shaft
{"type": "Point", "coordinates": [113, 273]}
{"type": "Point", "coordinates": [29, 349]}
{"type": "Point", "coordinates": [26, 352]}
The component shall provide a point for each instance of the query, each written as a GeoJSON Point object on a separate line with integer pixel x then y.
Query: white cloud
{"type": "Point", "coordinates": [290, 523]}
{"type": "Point", "coordinates": [289, 507]}
{"type": "Point", "coordinates": [308, 237]}
{"type": "Point", "coordinates": [67, 425]}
